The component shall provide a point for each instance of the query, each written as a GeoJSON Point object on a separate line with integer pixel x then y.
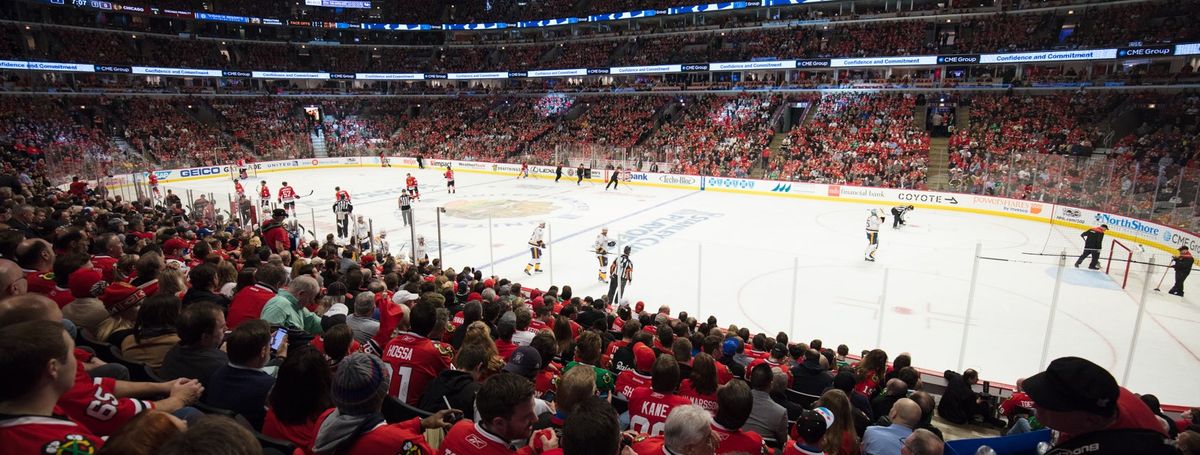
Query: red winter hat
{"type": "Point", "coordinates": [643, 357]}
{"type": "Point", "coordinates": [121, 296]}
{"type": "Point", "coordinates": [537, 302]}
{"type": "Point", "coordinates": [430, 278]}
{"type": "Point", "coordinates": [535, 293]}
{"type": "Point", "coordinates": [174, 244]}
{"type": "Point", "coordinates": [86, 283]}
{"type": "Point", "coordinates": [489, 283]}
{"type": "Point", "coordinates": [639, 307]}
{"type": "Point", "coordinates": [474, 297]}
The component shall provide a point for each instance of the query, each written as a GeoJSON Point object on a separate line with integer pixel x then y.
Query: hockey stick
{"type": "Point", "coordinates": [1160, 280]}
{"type": "Point", "coordinates": [310, 193]}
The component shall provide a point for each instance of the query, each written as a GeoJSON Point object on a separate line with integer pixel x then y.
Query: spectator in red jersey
{"type": "Point", "coordinates": [458, 385]}
{"type": "Point", "coordinates": [506, 328]}
{"type": "Point", "coordinates": [77, 187]}
{"type": "Point", "coordinates": [38, 358]}
{"type": "Point", "coordinates": [870, 372]}
{"type": "Point", "coordinates": [103, 405]}
{"type": "Point", "coordinates": [300, 396]}
{"type": "Point", "coordinates": [734, 403]}
{"type": "Point", "coordinates": [548, 372]}
{"type": "Point", "coordinates": [638, 376]}
{"type": "Point", "coordinates": [701, 385]}
{"type": "Point", "coordinates": [768, 419]}
{"type": "Point", "coordinates": [687, 431]}
{"type": "Point", "coordinates": [36, 258]}
{"type": "Point", "coordinates": [414, 357]}
{"type": "Point", "coordinates": [357, 425]}
{"type": "Point", "coordinates": [811, 426]}
{"type": "Point", "coordinates": [506, 414]}
{"type": "Point", "coordinates": [110, 249]}
{"type": "Point", "coordinates": [1018, 409]}
{"type": "Point", "coordinates": [248, 303]}
{"type": "Point", "coordinates": [1084, 403]}
{"type": "Point", "coordinates": [649, 407]}
{"type": "Point", "coordinates": [841, 438]}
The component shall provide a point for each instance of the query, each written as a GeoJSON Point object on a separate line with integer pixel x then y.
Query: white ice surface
{"type": "Point", "coordinates": [737, 256]}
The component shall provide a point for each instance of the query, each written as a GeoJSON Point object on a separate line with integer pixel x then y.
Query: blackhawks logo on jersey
{"type": "Point", "coordinates": [72, 444]}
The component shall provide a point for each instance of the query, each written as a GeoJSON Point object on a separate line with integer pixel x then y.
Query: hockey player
{"type": "Point", "coordinates": [873, 221]}
{"type": "Point", "coordinates": [613, 180]}
{"type": "Point", "coordinates": [339, 194]}
{"type": "Point", "coordinates": [622, 274]}
{"type": "Point", "coordinates": [241, 165]}
{"type": "Point", "coordinates": [579, 173]}
{"type": "Point", "coordinates": [383, 160]}
{"type": "Point", "coordinates": [382, 246]}
{"type": "Point", "coordinates": [1093, 241]}
{"type": "Point", "coordinates": [421, 251]}
{"type": "Point", "coordinates": [264, 195]}
{"type": "Point", "coordinates": [410, 183]}
{"type": "Point", "coordinates": [898, 213]}
{"type": "Point", "coordinates": [449, 180]}
{"type": "Point", "coordinates": [601, 246]}
{"type": "Point", "coordinates": [557, 172]}
{"type": "Point", "coordinates": [342, 210]}
{"type": "Point", "coordinates": [362, 231]}
{"type": "Point", "coordinates": [153, 180]}
{"type": "Point", "coordinates": [1183, 266]}
{"type": "Point", "coordinates": [237, 187]}
{"type": "Point", "coordinates": [524, 170]}
{"type": "Point", "coordinates": [287, 197]}
{"type": "Point", "coordinates": [535, 249]}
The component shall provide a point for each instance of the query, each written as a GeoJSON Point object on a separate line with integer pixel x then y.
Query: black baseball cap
{"type": "Point", "coordinates": [279, 213]}
{"type": "Point", "coordinates": [1073, 384]}
{"type": "Point", "coordinates": [812, 424]}
{"type": "Point", "coordinates": [525, 361]}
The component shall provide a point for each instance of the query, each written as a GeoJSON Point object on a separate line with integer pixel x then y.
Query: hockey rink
{"type": "Point", "coordinates": [795, 265]}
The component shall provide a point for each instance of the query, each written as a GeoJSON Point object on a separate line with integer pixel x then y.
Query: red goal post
{"type": "Point", "coordinates": [1121, 255]}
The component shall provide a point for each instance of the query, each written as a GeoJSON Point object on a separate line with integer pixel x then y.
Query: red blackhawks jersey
{"type": "Point", "coordinates": [415, 361]}
{"type": "Point", "coordinates": [39, 282]}
{"type": "Point", "coordinates": [630, 380]}
{"type": "Point", "coordinates": [93, 403]}
{"type": "Point", "coordinates": [106, 264]}
{"type": "Point", "coordinates": [648, 410]}
{"type": "Point", "coordinates": [738, 441]}
{"type": "Point", "coordinates": [47, 435]}
{"type": "Point", "coordinates": [403, 438]}
{"type": "Point", "coordinates": [342, 194]}
{"type": "Point", "coordinates": [153, 179]}
{"type": "Point", "coordinates": [449, 174]}
{"type": "Point", "coordinates": [708, 402]}
{"type": "Point", "coordinates": [287, 194]}
{"type": "Point", "coordinates": [468, 438]}
{"type": "Point", "coordinates": [237, 186]}
{"type": "Point", "coordinates": [264, 192]}
{"type": "Point", "coordinates": [411, 182]}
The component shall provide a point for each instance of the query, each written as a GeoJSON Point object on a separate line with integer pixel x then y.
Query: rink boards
{"type": "Point", "coordinates": [1162, 237]}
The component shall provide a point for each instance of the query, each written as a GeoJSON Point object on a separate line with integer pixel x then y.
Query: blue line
{"type": "Point", "coordinates": [590, 228]}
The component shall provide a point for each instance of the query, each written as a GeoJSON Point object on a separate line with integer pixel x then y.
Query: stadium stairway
{"type": "Point", "coordinates": [939, 150]}
{"type": "Point", "coordinates": [318, 144]}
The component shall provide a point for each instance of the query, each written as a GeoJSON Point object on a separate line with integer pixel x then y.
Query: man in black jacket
{"type": "Point", "coordinates": [1183, 267]}
{"type": "Point", "coordinates": [458, 385]}
{"type": "Point", "coordinates": [960, 403]}
{"type": "Point", "coordinates": [810, 378]}
{"type": "Point", "coordinates": [1093, 241]}
{"type": "Point", "coordinates": [203, 279]}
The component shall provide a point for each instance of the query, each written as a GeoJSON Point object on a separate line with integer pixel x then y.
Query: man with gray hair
{"type": "Point", "coordinates": [288, 307]}
{"type": "Point", "coordinates": [922, 442]}
{"type": "Point", "coordinates": [688, 431]}
{"type": "Point", "coordinates": [360, 322]}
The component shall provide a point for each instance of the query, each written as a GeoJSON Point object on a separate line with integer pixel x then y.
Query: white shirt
{"type": "Point", "coordinates": [536, 238]}
{"type": "Point", "coordinates": [601, 243]}
{"type": "Point", "coordinates": [873, 223]}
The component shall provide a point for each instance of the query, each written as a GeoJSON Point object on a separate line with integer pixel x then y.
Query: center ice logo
{"type": "Point", "coordinates": [506, 208]}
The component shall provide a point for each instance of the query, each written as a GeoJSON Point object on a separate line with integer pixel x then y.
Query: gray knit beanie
{"type": "Point", "coordinates": [360, 384]}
